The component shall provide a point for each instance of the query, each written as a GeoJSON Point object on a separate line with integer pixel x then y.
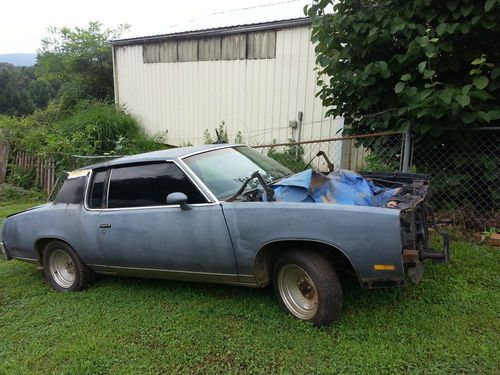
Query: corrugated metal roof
{"type": "Point", "coordinates": [226, 30]}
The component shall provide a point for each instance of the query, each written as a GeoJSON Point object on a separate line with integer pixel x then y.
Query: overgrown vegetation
{"type": "Point", "coordinates": [291, 156]}
{"type": "Point", "coordinates": [429, 66]}
{"type": "Point", "coordinates": [446, 325]}
{"type": "Point", "coordinates": [79, 62]}
{"type": "Point", "coordinates": [82, 119]}
{"type": "Point", "coordinates": [93, 128]}
{"type": "Point", "coordinates": [21, 91]}
{"type": "Point", "coordinates": [221, 135]}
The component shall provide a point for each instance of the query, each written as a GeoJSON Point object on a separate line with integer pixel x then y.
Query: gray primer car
{"type": "Point", "coordinates": [177, 214]}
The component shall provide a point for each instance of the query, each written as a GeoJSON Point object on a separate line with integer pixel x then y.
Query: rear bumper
{"type": "Point", "coordinates": [413, 260]}
{"type": "Point", "coordinates": [3, 252]}
{"type": "Point", "coordinates": [439, 256]}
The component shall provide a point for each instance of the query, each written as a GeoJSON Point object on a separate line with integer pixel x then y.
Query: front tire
{"type": "Point", "coordinates": [63, 268]}
{"type": "Point", "coordinates": [307, 286]}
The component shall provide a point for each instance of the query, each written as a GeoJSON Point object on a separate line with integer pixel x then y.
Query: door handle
{"type": "Point", "coordinates": [104, 225]}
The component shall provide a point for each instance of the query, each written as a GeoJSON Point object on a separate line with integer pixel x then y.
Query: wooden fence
{"type": "Point", "coordinates": [4, 159]}
{"type": "Point", "coordinates": [45, 169]}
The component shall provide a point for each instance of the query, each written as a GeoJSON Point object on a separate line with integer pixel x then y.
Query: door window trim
{"type": "Point", "coordinates": [109, 173]}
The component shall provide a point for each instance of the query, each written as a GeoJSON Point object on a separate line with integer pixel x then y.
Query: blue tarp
{"type": "Point", "coordinates": [341, 187]}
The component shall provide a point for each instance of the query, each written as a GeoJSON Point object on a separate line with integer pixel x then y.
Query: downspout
{"type": "Point", "coordinates": [115, 77]}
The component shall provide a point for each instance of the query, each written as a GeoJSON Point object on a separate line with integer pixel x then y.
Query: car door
{"type": "Point", "coordinates": [140, 232]}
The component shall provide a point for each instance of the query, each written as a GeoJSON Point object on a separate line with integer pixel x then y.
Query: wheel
{"type": "Point", "coordinates": [307, 286]}
{"type": "Point", "coordinates": [64, 269]}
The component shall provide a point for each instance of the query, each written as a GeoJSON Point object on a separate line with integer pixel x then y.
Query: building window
{"type": "Point", "coordinates": [187, 50]}
{"type": "Point", "coordinates": [261, 45]}
{"type": "Point", "coordinates": [258, 45]}
{"type": "Point", "coordinates": [209, 49]}
{"type": "Point", "coordinates": [234, 47]}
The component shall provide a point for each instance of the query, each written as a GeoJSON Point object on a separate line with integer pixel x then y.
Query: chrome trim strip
{"type": "Point", "coordinates": [29, 260]}
{"type": "Point", "coordinates": [106, 198]}
{"type": "Point", "coordinates": [210, 149]}
{"type": "Point", "coordinates": [225, 278]}
{"type": "Point", "coordinates": [195, 276]}
{"type": "Point", "coordinates": [161, 270]}
{"type": "Point", "coordinates": [200, 182]}
{"type": "Point", "coordinates": [151, 207]}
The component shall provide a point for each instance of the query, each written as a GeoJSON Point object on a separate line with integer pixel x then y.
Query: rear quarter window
{"type": "Point", "coordinates": [71, 191]}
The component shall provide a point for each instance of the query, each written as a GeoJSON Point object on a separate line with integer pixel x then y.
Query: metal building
{"type": "Point", "coordinates": [255, 78]}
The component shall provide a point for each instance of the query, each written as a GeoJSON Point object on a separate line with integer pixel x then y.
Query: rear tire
{"type": "Point", "coordinates": [307, 286]}
{"type": "Point", "coordinates": [63, 268]}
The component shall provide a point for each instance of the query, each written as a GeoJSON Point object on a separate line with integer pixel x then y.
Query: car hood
{"type": "Point", "coordinates": [340, 187]}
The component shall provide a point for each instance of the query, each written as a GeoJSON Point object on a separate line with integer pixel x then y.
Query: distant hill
{"type": "Point", "coordinates": [19, 59]}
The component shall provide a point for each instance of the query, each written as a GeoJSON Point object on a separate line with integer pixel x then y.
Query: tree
{"type": "Point", "coordinates": [428, 65]}
{"type": "Point", "coordinates": [431, 66]}
{"type": "Point", "coordinates": [14, 98]}
{"type": "Point", "coordinates": [79, 61]}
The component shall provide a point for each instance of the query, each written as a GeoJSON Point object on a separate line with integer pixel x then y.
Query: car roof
{"type": "Point", "coordinates": [161, 155]}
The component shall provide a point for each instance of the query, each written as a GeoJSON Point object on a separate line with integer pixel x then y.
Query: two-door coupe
{"type": "Point", "coordinates": [217, 213]}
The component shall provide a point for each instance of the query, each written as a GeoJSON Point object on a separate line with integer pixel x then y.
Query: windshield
{"type": "Point", "coordinates": [223, 171]}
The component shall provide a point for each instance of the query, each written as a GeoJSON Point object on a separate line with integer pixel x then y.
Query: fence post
{"type": "Point", "coordinates": [4, 159]}
{"type": "Point", "coordinates": [405, 167]}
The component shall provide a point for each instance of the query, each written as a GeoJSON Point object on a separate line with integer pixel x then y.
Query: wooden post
{"type": "Point", "coordinates": [4, 159]}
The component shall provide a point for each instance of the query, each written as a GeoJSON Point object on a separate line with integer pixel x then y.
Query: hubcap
{"type": "Point", "coordinates": [298, 291]}
{"type": "Point", "coordinates": [62, 269]}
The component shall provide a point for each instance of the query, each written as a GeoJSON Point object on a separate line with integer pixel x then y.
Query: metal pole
{"type": "Point", "coordinates": [299, 131]}
{"type": "Point", "coordinates": [406, 151]}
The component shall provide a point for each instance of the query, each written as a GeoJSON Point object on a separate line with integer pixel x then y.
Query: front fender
{"type": "Point", "coordinates": [366, 235]}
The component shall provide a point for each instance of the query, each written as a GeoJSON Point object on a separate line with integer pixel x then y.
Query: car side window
{"type": "Point", "coordinates": [148, 185]}
{"type": "Point", "coordinates": [71, 191]}
{"type": "Point", "coordinates": [97, 190]}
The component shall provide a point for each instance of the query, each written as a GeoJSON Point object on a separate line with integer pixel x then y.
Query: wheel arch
{"type": "Point", "coordinates": [269, 253]}
{"type": "Point", "coordinates": [42, 242]}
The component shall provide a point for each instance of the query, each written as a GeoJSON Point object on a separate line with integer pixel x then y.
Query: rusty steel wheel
{"type": "Point", "coordinates": [307, 286]}
{"type": "Point", "coordinates": [63, 268]}
{"type": "Point", "coordinates": [298, 292]}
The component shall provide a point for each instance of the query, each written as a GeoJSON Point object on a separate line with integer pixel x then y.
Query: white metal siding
{"type": "Point", "coordinates": [255, 96]}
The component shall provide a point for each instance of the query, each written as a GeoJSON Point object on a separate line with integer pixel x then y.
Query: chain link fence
{"type": "Point", "coordinates": [349, 152]}
{"type": "Point", "coordinates": [463, 167]}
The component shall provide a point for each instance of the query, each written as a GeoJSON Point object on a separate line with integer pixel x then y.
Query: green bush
{"type": "Point", "coordinates": [291, 157]}
{"type": "Point", "coordinates": [89, 128]}
{"type": "Point", "coordinates": [11, 193]}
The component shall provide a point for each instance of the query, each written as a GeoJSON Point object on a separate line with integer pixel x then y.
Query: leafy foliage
{"type": "Point", "coordinates": [221, 135]}
{"type": "Point", "coordinates": [21, 92]}
{"type": "Point", "coordinates": [93, 128]}
{"type": "Point", "coordinates": [79, 61]}
{"type": "Point", "coordinates": [292, 156]}
{"type": "Point", "coordinates": [427, 65]}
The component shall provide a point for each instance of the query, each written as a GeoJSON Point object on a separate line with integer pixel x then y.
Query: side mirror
{"type": "Point", "coordinates": [180, 199]}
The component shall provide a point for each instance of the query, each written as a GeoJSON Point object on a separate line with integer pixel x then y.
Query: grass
{"type": "Point", "coordinates": [448, 324]}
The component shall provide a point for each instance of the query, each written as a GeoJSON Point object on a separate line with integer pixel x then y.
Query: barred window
{"type": "Point", "coordinates": [258, 45]}
{"type": "Point", "coordinates": [234, 47]}
{"type": "Point", "coordinates": [187, 50]}
{"type": "Point", "coordinates": [261, 45]}
{"type": "Point", "coordinates": [209, 49]}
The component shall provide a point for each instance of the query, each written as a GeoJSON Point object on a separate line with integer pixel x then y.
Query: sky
{"type": "Point", "coordinates": [23, 23]}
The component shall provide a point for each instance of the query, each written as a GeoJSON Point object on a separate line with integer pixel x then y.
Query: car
{"type": "Point", "coordinates": [230, 214]}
